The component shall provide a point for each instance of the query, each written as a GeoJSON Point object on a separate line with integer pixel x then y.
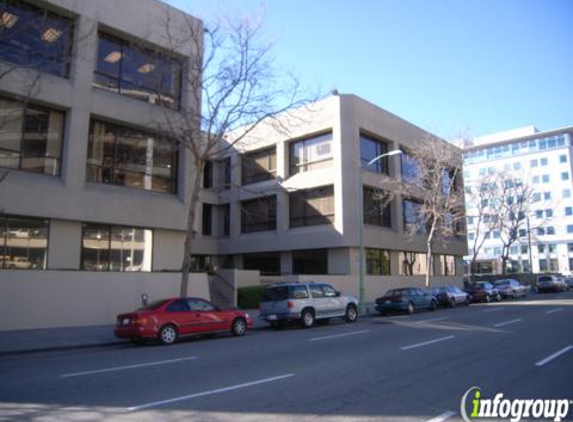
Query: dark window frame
{"type": "Point", "coordinates": [307, 217]}
{"type": "Point", "coordinates": [381, 147]}
{"type": "Point", "coordinates": [250, 171]}
{"type": "Point", "coordinates": [271, 215]}
{"type": "Point", "coordinates": [378, 262]}
{"type": "Point", "coordinates": [310, 261]}
{"type": "Point", "coordinates": [373, 213]}
{"type": "Point", "coordinates": [307, 164]}
{"type": "Point", "coordinates": [6, 229]}
{"type": "Point", "coordinates": [267, 263]}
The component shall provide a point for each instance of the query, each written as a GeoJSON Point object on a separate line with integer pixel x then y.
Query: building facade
{"type": "Point", "coordinates": [541, 161]}
{"type": "Point", "coordinates": [93, 200]}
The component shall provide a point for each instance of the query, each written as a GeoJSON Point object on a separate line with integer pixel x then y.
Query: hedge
{"type": "Point", "coordinates": [249, 297]}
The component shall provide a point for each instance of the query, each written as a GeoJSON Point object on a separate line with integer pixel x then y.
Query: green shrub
{"type": "Point", "coordinates": [249, 297]}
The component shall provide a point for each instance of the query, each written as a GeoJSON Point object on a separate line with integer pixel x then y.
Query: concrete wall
{"type": "Point", "coordinates": [46, 299]}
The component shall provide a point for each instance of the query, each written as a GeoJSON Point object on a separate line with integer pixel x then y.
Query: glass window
{"type": "Point", "coordinates": [550, 230]}
{"type": "Point", "coordinates": [198, 305]}
{"type": "Point", "coordinates": [317, 291]}
{"type": "Point", "coordinates": [543, 161]}
{"type": "Point", "coordinates": [563, 158]}
{"type": "Point", "coordinates": [259, 166]}
{"type": "Point", "coordinates": [268, 263]}
{"type": "Point", "coordinates": [208, 175]}
{"type": "Point", "coordinates": [259, 214]}
{"type": "Point", "coordinates": [547, 196]}
{"type": "Point", "coordinates": [312, 207]}
{"type": "Point", "coordinates": [313, 261]}
{"type": "Point", "coordinates": [549, 213]}
{"type": "Point", "coordinates": [116, 248]}
{"type": "Point", "coordinates": [412, 263]}
{"type": "Point", "coordinates": [127, 157]}
{"type": "Point", "coordinates": [137, 72]}
{"type": "Point", "coordinates": [180, 305]}
{"type": "Point", "coordinates": [410, 167]}
{"type": "Point", "coordinates": [310, 154]}
{"type": "Point", "coordinates": [23, 243]}
{"type": "Point", "coordinates": [412, 216]}
{"type": "Point", "coordinates": [568, 210]}
{"type": "Point", "coordinates": [207, 218]}
{"type": "Point", "coordinates": [566, 193]}
{"type": "Point", "coordinates": [524, 249]}
{"type": "Point", "coordinates": [377, 262]}
{"type": "Point", "coordinates": [376, 207]}
{"type": "Point", "coordinates": [201, 263]}
{"type": "Point", "coordinates": [565, 175]}
{"type": "Point", "coordinates": [371, 148]}
{"type": "Point", "coordinates": [534, 163]}
{"type": "Point", "coordinates": [33, 37]}
{"type": "Point", "coordinates": [31, 138]}
{"type": "Point", "coordinates": [545, 178]}
{"type": "Point", "coordinates": [225, 219]}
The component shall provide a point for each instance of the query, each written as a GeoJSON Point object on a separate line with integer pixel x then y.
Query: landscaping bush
{"type": "Point", "coordinates": [249, 297]}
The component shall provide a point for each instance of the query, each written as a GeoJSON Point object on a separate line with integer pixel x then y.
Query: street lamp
{"type": "Point", "coordinates": [361, 294]}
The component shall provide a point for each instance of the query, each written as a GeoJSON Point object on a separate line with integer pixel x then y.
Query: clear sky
{"type": "Point", "coordinates": [445, 65]}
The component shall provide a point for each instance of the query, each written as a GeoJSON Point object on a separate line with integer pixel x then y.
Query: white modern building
{"type": "Point", "coordinates": [541, 160]}
{"type": "Point", "coordinates": [94, 201]}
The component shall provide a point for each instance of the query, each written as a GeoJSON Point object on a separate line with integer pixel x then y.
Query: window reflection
{"type": "Point", "coordinates": [259, 214]}
{"type": "Point", "coordinates": [23, 243]}
{"type": "Point", "coordinates": [310, 154]}
{"type": "Point", "coordinates": [412, 263]}
{"type": "Point", "coordinates": [137, 72]}
{"type": "Point", "coordinates": [122, 156]}
{"type": "Point", "coordinates": [116, 248]}
{"type": "Point", "coordinates": [35, 38]}
{"type": "Point", "coordinates": [30, 137]}
{"type": "Point", "coordinates": [258, 166]}
{"type": "Point", "coordinates": [312, 207]}
{"type": "Point", "coordinates": [370, 149]}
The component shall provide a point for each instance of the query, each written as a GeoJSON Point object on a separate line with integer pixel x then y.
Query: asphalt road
{"type": "Point", "coordinates": [399, 368]}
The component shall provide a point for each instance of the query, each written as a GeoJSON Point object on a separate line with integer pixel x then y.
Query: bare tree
{"type": "Point", "coordinates": [431, 185]}
{"type": "Point", "coordinates": [235, 80]}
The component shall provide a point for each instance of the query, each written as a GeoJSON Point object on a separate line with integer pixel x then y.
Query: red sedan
{"type": "Point", "coordinates": [168, 319]}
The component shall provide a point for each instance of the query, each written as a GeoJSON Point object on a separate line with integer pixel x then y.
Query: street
{"type": "Point", "coordinates": [397, 368]}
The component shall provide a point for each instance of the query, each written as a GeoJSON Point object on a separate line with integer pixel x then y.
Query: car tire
{"type": "Point", "coordinates": [410, 308]}
{"type": "Point", "coordinates": [351, 313]}
{"type": "Point", "coordinates": [168, 334]}
{"type": "Point", "coordinates": [239, 327]}
{"type": "Point", "coordinates": [307, 318]}
{"type": "Point", "coordinates": [434, 305]}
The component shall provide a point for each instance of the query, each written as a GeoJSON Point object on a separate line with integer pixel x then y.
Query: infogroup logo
{"type": "Point", "coordinates": [475, 406]}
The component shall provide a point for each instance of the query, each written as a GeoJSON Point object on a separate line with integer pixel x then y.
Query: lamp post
{"type": "Point", "coordinates": [361, 290]}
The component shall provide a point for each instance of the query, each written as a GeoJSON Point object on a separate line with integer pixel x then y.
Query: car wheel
{"type": "Point", "coordinates": [239, 327]}
{"type": "Point", "coordinates": [411, 308]}
{"type": "Point", "coordinates": [351, 313]}
{"type": "Point", "coordinates": [307, 318]}
{"type": "Point", "coordinates": [487, 299]}
{"type": "Point", "coordinates": [434, 305]}
{"type": "Point", "coordinates": [452, 302]}
{"type": "Point", "coordinates": [168, 334]}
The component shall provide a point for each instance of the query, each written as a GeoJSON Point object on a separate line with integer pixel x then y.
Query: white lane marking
{"type": "Point", "coordinates": [431, 320]}
{"type": "Point", "coordinates": [553, 356]}
{"type": "Point", "coordinates": [425, 343]}
{"type": "Point", "coordinates": [442, 417]}
{"type": "Point", "coordinates": [494, 309]}
{"type": "Point", "coordinates": [339, 335]}
{"type": "Point", "coordinates": [554, 310]}
{"type": "Point", "coordinates": [121, 368]}
{"type": "Point", "coordinates": [501, 324]}
{"type": "Point", "coordinates": [209, 392]}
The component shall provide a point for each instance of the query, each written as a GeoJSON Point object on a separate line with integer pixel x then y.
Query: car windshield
{"type": "Point", "coordinates": [153, 305]}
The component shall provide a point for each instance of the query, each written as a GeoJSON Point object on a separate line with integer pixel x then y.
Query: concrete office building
{"type": "Point", "coordinates": [541, 160]}
{"type": "Point", "coordinates": [94, 202]}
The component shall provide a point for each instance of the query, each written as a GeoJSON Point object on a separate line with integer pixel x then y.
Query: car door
{"type": "Point", "coordinates": [178, 313]}
{"type": "Point", "coordinates": [335, 303]}
{"type": "Point", "coordinates": [210, 318]}
{"type": "Point", "coordinates": [319, 300]}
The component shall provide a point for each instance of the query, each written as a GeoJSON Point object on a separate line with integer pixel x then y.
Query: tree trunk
{"type": "Point", "coordinates": [503, 265]}
{"type": "Point", "coordinates": [429, 261]}
{"type": "Point", "coordinates": [190, 230]}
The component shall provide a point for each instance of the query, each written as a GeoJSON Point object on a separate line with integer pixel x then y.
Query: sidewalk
{"type": "Point", "coordinates": [59, 339]}
{"type": "Point", "coordinates": [54, 339]}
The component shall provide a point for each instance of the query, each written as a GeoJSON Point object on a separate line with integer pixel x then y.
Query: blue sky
{"type": "Point", "coordinates": [445, 65]}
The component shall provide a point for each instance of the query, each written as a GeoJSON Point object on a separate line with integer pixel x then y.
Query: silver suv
{"type": "Point", "coordinates": [306, 303]}
{"type": "Point", "coordinates": [547, 283]}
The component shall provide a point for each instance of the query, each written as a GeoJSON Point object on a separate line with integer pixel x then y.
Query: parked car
{"type": "Point", "coordinates": [407, 299]}
{"type": "Point", "coordinates": [482, 291]}
{"type": "Point", "coordinates": [569, 282]}
{"type": "Point", "coordinates": [550, 283]}
{"type": "Point", "coordinates": [306, 303]}
{"type": "Point", "coordinates": [450, 296]}
{"type": "Point", "coordinates": [510, 288]}
{"type": "Point", "coordinates": [168, 319]}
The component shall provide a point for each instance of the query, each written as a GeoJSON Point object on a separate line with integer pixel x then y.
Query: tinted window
{"type": "Point", "coordinates": [275, 293]}
{"type": "Point", "coordinates": [298, 292]}
{"type": "Point", "coordinates": [23, 243]}
{"type": "Point", "coordinates": [200, 305]}
{"type": "Point", "coordinates": [180, 305]}
{"type": "Point", "coordinates": [153, 305]}
{"type": "Point", "coordinates": [329, 291]}
{"type": "Point", "coordinates": [316, 291]}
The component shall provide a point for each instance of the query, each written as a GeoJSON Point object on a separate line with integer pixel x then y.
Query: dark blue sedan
{"type": "Point", "coordinates": [407, 299]}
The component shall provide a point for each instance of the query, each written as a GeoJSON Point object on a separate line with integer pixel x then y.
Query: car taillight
{"type": "Point", "coordinates": [290, 304]}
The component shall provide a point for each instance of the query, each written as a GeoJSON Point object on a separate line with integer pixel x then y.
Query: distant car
{"type": "Point", "coordinates": [510, 288]}
{"type": "Point", "coordinates": [550, 283]}
{"type": "Point", "coordinates": [569, 282]}
{"type": "Point", "coordinates": [482, 291]}
{"type": "Point", "coordinates": [305, 303]}
{"type": "Point", "coordinates": [450, 296]}
{"type": "Point", "coordinates": [168, 319]}
{"type": "Point", "coordinates": [408, 299]}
